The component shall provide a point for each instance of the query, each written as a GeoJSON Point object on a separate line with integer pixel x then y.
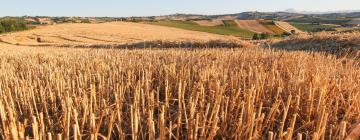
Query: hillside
{"type": "Point", "coordinates": [289, 16]}
{"type": "Point", "coordinates": [355, 22]}
{"type": "Point", "coordinates": [338, 44]}
{"type": "Point", "coordinates": [113, 33]}
{"type": "Point", "coordinates": [324, 18]}
{"type": "Point", "coordinates": [228, 28]}
{"type": "Point", "coordinates": [253, 25]}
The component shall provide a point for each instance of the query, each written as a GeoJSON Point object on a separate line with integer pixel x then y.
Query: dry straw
{"type": "Point", "coordinates": [240, 93]}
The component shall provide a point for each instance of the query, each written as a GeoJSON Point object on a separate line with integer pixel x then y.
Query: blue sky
{"type": "Point", "coordinates": [120, 8]}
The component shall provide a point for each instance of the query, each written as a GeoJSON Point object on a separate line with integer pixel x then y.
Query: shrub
{"type": "Point", "coordinates": [256, 36]}
{"type": "Point", "coordinates": [293, 32]}
{"type": "Point", "coordinates": [285, 34]}
{"type": "Point", "coordinates": [38, 39]}
{"type": "Point", "coordinates": [85, 21]}
{"type": "Point", "coordinates": [265, 35]}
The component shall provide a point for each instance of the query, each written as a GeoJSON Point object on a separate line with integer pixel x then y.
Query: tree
{"type": "Point", "coordinates": [12, 24]}
{"type": "Point", "coordinates": [85, 21]}
{"type": "Point", "coordinates": [293, 32]}
{"type": "Point", "coordinates": [265, 35]}
{"type": "Point", "coordinates": [255, 36]}
{"type": "Point", "coordinates": [285, 34]}
{"type": "Point", "coordinates": [2, 29]}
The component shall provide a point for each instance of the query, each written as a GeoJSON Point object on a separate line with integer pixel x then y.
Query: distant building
{"type": "Point", "coordinates": [45, 21]}
{"type": "Point", "coordinates": [30, 19]}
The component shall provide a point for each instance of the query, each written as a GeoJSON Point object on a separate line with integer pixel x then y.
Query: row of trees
{"type": "Point", "coordinates": [12, 24]}
{"type": "Point", "coordinates": [257, 36]}
{"type": "Point", "coordinates": [261, 36]}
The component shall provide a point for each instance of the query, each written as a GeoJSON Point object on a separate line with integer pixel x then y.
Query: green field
{"type": "Point", "coordinates": [321, 20]}
{"type": "Point", "coordinates": [230, 23]}
{"type": "Point", "coordinates": [307, 27]}
{"type": "Point", "coordinates": [228, 28]}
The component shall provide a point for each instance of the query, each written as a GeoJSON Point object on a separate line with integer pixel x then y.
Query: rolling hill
{"type": "Point", "coordinates": [253, 25]}
{"type": "Point", "coordinates": [113, 33]}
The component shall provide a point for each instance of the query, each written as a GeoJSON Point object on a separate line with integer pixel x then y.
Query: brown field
{"type": "Point", "coordinates": [287, 27]}
{"type": "Point", "coordinates": [237, 92]}
{"type": "Point", "coordinates": [209, 22]}
{"type": "Point", "coordinates": [103, 34]}
{"type": "Point", "coordinates": [355, 22]}
{"type": "Point", "coordinates": [253, 25]}
{"type": "Point", "coordinates": [269, 24]}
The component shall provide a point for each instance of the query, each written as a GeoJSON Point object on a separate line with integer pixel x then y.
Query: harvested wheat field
{"type": "Point", "coordinates": [210, 23]}
{"type": "Point", "coordinates": [355, 22]}
{"type": "Point", "coordinates": [253, 25]}
{"type": "Point", "coordinates": [238, 93]}
{"type": "Point", "coordinates": [113, 33]}
{"type": "Point", "coordinates": [287, 27]}
{"type": "Point", "coordinates": [335, 43]}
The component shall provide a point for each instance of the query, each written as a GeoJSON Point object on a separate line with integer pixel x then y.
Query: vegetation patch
{"type": "Point", "coordinates": [271, 26]}
{"type": "Point", "coordinates": [12, 24]}
{"type": "Point", "coordinates": [309, 27]}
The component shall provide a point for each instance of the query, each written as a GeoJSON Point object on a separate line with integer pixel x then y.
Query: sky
{"type": "Point", "coordinates": [126, 8]}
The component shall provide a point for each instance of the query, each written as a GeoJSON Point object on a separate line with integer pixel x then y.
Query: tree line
{"type": "Point", "coordinates": [12, 24]}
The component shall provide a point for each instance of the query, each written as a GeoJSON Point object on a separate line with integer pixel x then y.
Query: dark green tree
{"type": "Point", "coordinates": [12, 24]}
{"type": "Point", "coordinates": [256, 36]}
{"type": "Point", "coordinates": [265, 35]}
{"type": "Point", "coordinates": [85, 21]}
{"type": "Point", "coordinates": [285, 34]}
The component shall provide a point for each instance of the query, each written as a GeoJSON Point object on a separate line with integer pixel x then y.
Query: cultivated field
{"type": "Point", "coordinates": [167, 92]}
{"type": "Point", "coordinates": [209, 22]}
{"type": "Point", "coordinates": [253, 25]}
{"type": "Point", "coordinates": [113, 33]}
{"type": "Point", "coordinates": [226, 29]}
{"type": "Point", "coordinates": [355, 21]}
{"type": "Point", "coordinates": [287, 27]}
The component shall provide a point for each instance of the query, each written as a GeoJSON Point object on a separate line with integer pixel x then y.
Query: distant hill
{"type": "Point", "coordinates": [244, 15]}
{"type": "Point", "coordinates": [290, 15]}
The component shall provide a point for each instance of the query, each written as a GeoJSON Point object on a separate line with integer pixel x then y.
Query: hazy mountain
{"type": "Point", "coordinates": [291, 10]}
